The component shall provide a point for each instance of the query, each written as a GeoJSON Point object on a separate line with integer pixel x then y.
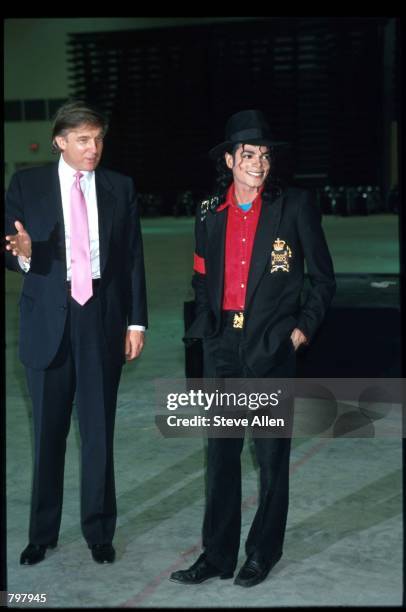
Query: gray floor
{"type": "Point", "coordinates": [344, 536]}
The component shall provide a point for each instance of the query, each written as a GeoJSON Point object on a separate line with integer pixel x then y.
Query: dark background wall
{"type": "Point", "coordinates": [328, 86]}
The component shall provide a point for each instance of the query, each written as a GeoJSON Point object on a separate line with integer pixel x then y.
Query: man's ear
{"type": "Point", "coordinates": [229, 160]}
{"type": "Point", "coordinates": [61, 142]}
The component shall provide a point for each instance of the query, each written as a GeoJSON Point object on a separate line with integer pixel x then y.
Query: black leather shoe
{"type": "Point", "coordinates": [103, 553]}
{"type": "Point", "coordinates": [34, 553]}
{"type": "Point", "coordinates": [200, 571]}
{"type": "Point", "coordinates": [255, 570]}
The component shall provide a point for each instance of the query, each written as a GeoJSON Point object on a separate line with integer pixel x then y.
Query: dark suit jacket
{"type": "Point", "coordinates": [273, 299]}
{"type": "Point", "coordinates": [34, 198]}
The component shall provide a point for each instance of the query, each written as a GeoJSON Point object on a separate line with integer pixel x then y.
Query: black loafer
{"type": "Point", "coordinates": [200, 571]}
{"type": "Point", "coordinates": [255, 570]}
{"type": "Point", "coordinates": [34, 553]}
{"type": "Point", "coordinates": [103, 553]}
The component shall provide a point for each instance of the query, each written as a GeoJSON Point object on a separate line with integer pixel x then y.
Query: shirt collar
{"type": "Point", "coordinates": [68, 173]}
{"type": "Point", "coordinates": [231, 201]}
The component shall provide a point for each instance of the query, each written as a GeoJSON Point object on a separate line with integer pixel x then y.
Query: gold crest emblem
{"type": "Point", "coordinates": [281, 254]}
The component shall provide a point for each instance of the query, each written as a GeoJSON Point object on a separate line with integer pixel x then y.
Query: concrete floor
{"type": "Point", "coordinates": [343, 543]}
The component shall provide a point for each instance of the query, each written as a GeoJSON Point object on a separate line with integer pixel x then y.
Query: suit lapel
{"type": "Point", "coordinates": [51, 214]}
{"type": "Point", "coordinates": [216, 224]}
{"type": "Point", "coordinates": [266, 234]}
{"type": "Point", "coordinates": [56, 198]}
{"type": "Point", "coordinates": [105, 206]}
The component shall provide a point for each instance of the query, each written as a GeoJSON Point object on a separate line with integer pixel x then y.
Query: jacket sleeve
{"type": "Point", "coordinates": [199, 279]}
{"type": "Point", "coordinates": [14, 212]}
{"type": "Point", "coordinates": [138, 294]}
{"type": "Point", "coordinates": [319, 267]}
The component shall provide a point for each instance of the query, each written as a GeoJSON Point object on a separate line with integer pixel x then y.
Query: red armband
{"type": "Point", "coordinates": [199, 264]}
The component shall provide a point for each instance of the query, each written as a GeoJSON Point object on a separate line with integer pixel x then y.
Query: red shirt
{"type": "Point", "coordinates": [240, 235]}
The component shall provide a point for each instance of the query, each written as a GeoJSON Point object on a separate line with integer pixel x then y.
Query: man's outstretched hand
{"type": "Point", "coordinates": [19, 244]}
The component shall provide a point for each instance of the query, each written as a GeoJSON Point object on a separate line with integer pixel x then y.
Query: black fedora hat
{"type": "Point", "coordinates": [248, 126]}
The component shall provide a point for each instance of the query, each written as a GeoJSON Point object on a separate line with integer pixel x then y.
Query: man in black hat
{"type": "Point", "coordinates": [252, 238]}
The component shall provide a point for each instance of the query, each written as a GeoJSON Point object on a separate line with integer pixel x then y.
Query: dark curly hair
{"type": "Point", "coordinates": [224, 177]}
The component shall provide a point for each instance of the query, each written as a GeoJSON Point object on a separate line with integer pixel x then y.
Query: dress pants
{"type": "Point", "coordinates": [222, 519]}
{"type": "Point", "coordinates": [82, 372]}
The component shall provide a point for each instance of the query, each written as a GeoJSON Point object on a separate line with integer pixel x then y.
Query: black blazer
{"type": "Point", "coordinates": [34, 198]}
{"type": "Point", "coordinates": [273, 299]}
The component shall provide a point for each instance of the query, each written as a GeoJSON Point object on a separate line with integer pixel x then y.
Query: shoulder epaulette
{"type": "Point", "coordinates": [207, 205]}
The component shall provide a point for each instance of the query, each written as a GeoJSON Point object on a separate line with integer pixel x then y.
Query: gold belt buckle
{"type": "Point", "coordinates": [238, 321]}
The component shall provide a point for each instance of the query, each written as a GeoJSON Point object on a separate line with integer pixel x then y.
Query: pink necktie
{"type": "Point", "coordinates": [81, 281]}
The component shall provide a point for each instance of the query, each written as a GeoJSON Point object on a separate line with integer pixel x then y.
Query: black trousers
{"type": "Point", "coordinates": [222, 519]}
{"type": "Point", "coordinates": [82, 372]}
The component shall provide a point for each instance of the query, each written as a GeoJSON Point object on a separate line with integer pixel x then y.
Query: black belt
{"type": "Point", "coordinates": [232, 318]}
{"type": "Point", "coordinates": [95, 285]}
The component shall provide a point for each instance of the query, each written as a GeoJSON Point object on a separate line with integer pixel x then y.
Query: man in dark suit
{"type": "Point", "coordinates": [252, 238]}
{"type": "Point", "coordinates": [82, 315]}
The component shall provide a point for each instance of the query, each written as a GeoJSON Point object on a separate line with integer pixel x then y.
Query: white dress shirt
{"type": "Point", "coordinates": [88, 187]}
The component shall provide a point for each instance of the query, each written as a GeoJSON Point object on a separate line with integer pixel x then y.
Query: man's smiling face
{"type": "Point", "coordinates": [250, 165]}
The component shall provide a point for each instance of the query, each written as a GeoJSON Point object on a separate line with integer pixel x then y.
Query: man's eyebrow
{"type": "Point", "coordinates": [253, 151]}
{"type": "Point", "coordinates": [85, 137]}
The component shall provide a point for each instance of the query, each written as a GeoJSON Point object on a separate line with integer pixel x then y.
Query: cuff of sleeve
{"type": "Point", "coordinates": [24, 263]}
{"type": "Point", "coordinates": [136, 327]}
